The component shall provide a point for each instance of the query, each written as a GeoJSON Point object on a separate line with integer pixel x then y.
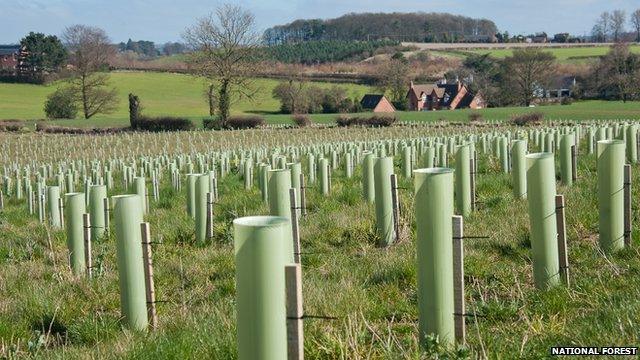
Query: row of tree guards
{"type": "Point", "coordinates": [267, 248]}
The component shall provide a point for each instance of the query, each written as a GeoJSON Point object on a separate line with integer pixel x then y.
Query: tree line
{"type": "Point", "coordinates": [612, 26]}
{"type": "Point", "coordinates": [419, 26]}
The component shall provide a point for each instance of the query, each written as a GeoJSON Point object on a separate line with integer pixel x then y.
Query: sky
{"type": "Point", "coordinates": [165, 20]}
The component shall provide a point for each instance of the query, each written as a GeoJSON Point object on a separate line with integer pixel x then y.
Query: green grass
{"type": "Point", "coordinates": [182, 95]}
{"type": "Point", "coordinates": [47, 313]}
{"type": "Point", "coordinates": [564, 55]}
{"type": "Point", "coordinates": [160, 94]}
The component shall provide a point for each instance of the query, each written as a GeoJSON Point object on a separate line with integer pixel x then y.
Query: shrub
{"type": "Point", "coordinates": [475, 117]}
{"type": "Point", "coordinates": [566, 101]}
{"type": "Point", "coordinates": [163, 123]}
{"type": "Point", "coordinates": [54, 129]}
{"type": "Point", "coordinates": [244, 122]}
{"type": "Point", "coordinates": [12, 125]}
{"type": "Point", "coordinates": [374, 121]}
{"type": "Point", "coordinates": [302, 120]}
{"type": "Point", "coordinates": [135, 109]}
{"type": "Point", "coordinates": [61, 104]}
{"type": "Point", "coordinates": [529, 119]}
{"type": "Point", "coordinates": [211, 123]}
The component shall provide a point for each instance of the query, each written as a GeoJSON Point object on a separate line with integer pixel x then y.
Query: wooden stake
{"type": "Point", "coordinates": [395, 203]}
{"type": "Point", "coordinates": [61, 211]}
{"type": "Point", "coordinates": [295, 313]}
{"type": "Point", "coordinates": [209, 233]}
{"type": "Point", "coordinates": [627, 205]}
{"type": "Point", "coordinates": [458, 278]}
{"type": "Point", "coordinates": [41, 214]}
{"type": "Point", "coordinates": [295, 226]}
{"type": "Point", "coordinates": [86, 220]}
{"type": "Point", "coordinates": [303, 196]}
{"type": "Point", "coordinates": [472, 179]}
{"type": "Point", "coordinates": [563, 257]}
{"type": "Point", "coordinates": [574, 163]}
{"type": "Point", "coordinates": [148, 275]}
{"type": "Point", "coordinates": [106, 214]}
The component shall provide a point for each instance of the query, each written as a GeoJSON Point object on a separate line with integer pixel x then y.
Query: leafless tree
{"type": "Point", "coordinates": [617, 75]}
{"type": "Point", "coordinates": [618, 19]}
{"type": "Point", "coordinates": [527, 72]}
{"type": "Point", "coordinates": [91, 50]}
{"type": "Point", "coordinates": [602, 27]}
{"type": "Point", "coordinates": [635, 22]}
{"type": "Point", "coordinates": [224, 45]}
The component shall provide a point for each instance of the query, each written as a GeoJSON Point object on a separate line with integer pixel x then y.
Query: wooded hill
{"type": "Point", "coordinates": [423, 27]}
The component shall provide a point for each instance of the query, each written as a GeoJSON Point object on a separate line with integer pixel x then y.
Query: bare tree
{"type": "Point", "coordinates": [225, 48]}
{"type": "Point", "coordinates": [91, 50]}
{"type": "Point", "coordinates": [635, 22]}
{"type": "Point", "coordinates": [527, 72]}
{"type": "Point", "coordinates": [618, 19]}
{"type": "Point", "coordinates": [603, 26]}
{"type": "Point", "coordinates": [617, 75]}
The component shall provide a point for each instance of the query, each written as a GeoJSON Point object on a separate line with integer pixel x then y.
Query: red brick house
{"type": "Point", "coordinates": [442, 96]}
{"type": "Point", "coordinates": [377, 103]}
{"type": "Point", "coordinates": [9, 58]}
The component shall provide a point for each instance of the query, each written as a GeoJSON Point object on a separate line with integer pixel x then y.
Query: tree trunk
{"type": "Point", "coordinates": [85, 100]}
{"type": "Point", "coordinates": [211, 99]}
{"type": "Point", "coordinates": [224, 102]}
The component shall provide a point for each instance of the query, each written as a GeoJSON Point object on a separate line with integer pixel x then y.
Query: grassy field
{"type": "Point", "coordinates": [182, 95]}
{"type": "Point", "coordinates": [160, 93]}
{"type": "Point", "coordinates": [48, 313]}
{"type": "Point", "coordinates": [564, 55]}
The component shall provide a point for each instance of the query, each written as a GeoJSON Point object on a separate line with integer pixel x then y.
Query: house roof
{"type": "Point", "coordinates": [9, 49]}
{"type": "Point", "coordinates": [562, 82]}
{"type": "Point", "coordinates": [370, 101]}
{"type": "Point", "coordinates": [422, 88]}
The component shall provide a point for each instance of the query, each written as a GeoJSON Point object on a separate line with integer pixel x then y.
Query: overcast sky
{"type": "Point", "coordinates": [165, 20]}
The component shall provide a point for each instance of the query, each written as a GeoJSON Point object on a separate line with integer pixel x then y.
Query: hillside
{"type": "Point", "coordinates": [419, 27]}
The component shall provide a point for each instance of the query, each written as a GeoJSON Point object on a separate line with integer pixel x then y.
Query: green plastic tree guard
{"type": "Point", "coordinates": [323, 164]}
{"type": "Point", "coordinates": [632, 143]}
{"type": "Point", "coordinates": [127, 217]}
{"type": "Point", "coordinates": [53, 208]}
{"type": "Point", "coordinates": [202, 188]}
{"type": "Point", "coordinates": [434, 212]}
{"type": "Point", "coordinates": [280, 201]}
{"type": "Point", "coordinates": [141, 191]}
{"type": "Point", "coordinates": [382, 169]}
{"type": "Point", "coordinates": [97, 194]}
{"type": "Point", "coordinates": [519, 168]}
{"type": "Point", "coordinates": [463, 181]}
{"type": "Point", "coordinates": [610, 170]}
{"type": "Point", "coordinates": [368, 184]}
{"type": "Point", "coordinates": [260, 244]}
{"type": "Point", "coordinates": [428, 160]}
{"type": "Point", "coordinates": [504, 155]}
{"type": "Point", "coordinates": [541, 194]}
{"type": "Point", "coordinates": [74, 209]}
{"type": "Point", "coordinates": [191, 194]}
{"type": "Point", "coordinates": [566, 168]}
{"type": "Point", "coordinates": [406, 162]}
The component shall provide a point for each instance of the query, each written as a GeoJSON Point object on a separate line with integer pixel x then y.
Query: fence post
{"type": "Point", "coordinates": [627, 205]}
{"type": "Point", "coordinates": [295, 313]}
{"type": "Point", "coordinates": [41, 208]}
{"type": "Point", "coordinates": [458, 278]}
{"type": "Point", "coordinates": [563, 256]}
{"type": "Point", "coordinates": [295, 226]}
{"type": "Point", "coordinates": [86, 220]}
{"type": "Point", "coordinates": [303, 196]}
{"type": "Point", "coordinates": [396, 205]}
{"type": "Point", "coordinates": [148, 275]}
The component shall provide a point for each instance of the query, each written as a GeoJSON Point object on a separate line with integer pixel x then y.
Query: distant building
{"type": "Point", "coordinates": [442, 96]}
{"type": "Point", "coordinates": [377, 103]}
{"type": "Point", "coordinates": [560, 87]}
{"type": "Point", "coordinates": [9, 58]}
